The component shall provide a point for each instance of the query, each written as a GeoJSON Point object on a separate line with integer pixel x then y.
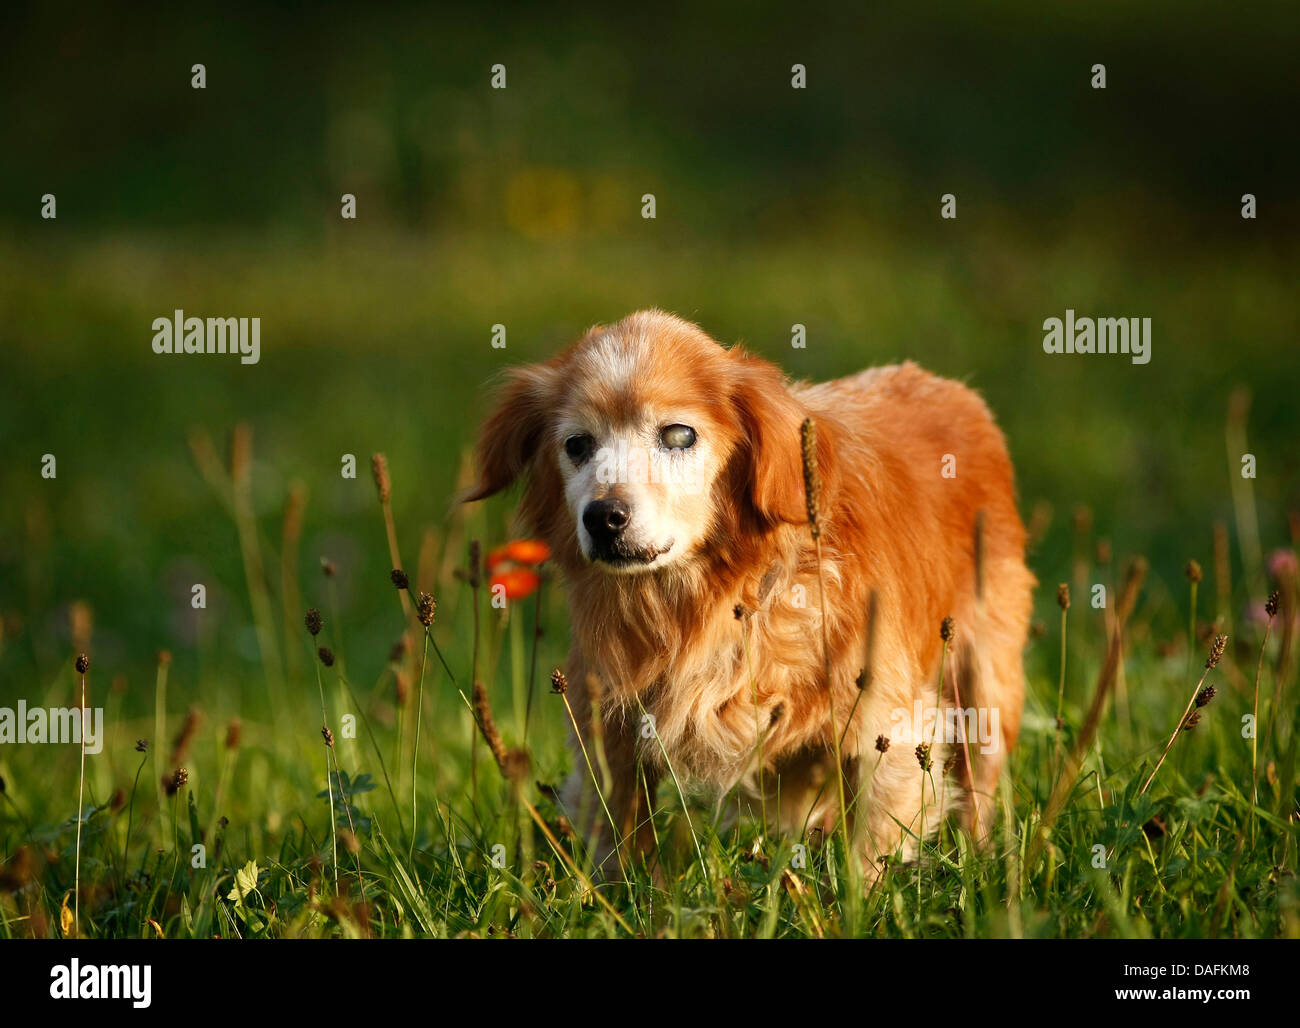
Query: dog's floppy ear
{"type": "Point", "coordinates": [771, 451]}
{"type": "Point", "coordinates": [510, 435]}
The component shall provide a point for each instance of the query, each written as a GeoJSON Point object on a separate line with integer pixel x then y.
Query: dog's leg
{"type": "Point", "coordinates": [900, 806]}
{"type": "Point", "coordinates": [998, 696]}
{"type": "Point", "coordinates": [631, 793]}
{"type": "Point", "coordinates": [612, 813]}
{"type": "Point", "coordinates": [899, 803]}
{"type": "Point", "coordinates": [992, 685]}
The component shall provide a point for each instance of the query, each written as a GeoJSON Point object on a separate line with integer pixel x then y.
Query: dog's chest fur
{"type": "Point", "coordinates": [712, 686]}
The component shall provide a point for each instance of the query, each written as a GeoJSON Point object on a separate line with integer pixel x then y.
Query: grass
{"type": "Point", "coordinates": [1094, 853]}
{"type": "Point", "coordinates": [369, 352]}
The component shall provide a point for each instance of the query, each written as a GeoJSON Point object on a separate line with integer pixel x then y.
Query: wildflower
{"type": "Point", "coordinates": [1216, 651]}
{"type": "Point", "coordinates": [559, 682]}
{"type": "Point", "coordinates": [189, 728]}
{"type": "Point", "coordinates": [83, 664]}
{"type": "Point", "coordinates": [1283, 566]}
{"type": "Point", "coordinates": [517, 583]}
{"type": "Point", "coordinates": [425, 608]}
{"type": "Point", "coordinates": [520, 551]}
{"type": "Point", "coordinates": [379, 469]}
{"type": "Point", "coordinates": [812, 482]}
{"type": "Point", "coordinates": [483, 714]}
{"type": "Point", "coordinates": [512, 566]}
{"type": "Point", "coordinates": [314, 621]}
{"type": "Point", "coordinates": [326, 656]}
{"type": "Point", "coordinates": [399, 578]}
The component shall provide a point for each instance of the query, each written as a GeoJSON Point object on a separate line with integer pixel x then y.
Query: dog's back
{"type": "Point", "coordinates": [923, 456]}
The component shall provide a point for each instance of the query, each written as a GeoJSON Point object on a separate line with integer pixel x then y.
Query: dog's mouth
{"type": "Point", "coordinates": [618, 554]}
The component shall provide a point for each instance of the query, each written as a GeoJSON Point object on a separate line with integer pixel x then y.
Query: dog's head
{"type": "Point", "coordinates": [645, 443]}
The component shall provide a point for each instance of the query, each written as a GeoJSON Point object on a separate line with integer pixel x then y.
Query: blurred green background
{"type": "Point", "coordinates": [522, 207]}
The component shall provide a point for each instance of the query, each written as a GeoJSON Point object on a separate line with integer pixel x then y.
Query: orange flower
{"type": "Point", "coordinates": [517, 582]}
{"type": "Point", "coordinates": [529, 551]}
{"type": "Point", "coordinates": [519, 551]}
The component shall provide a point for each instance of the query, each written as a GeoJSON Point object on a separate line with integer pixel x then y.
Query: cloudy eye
{"type": "Point", "coordinates": [678, 437]}
{"type": "Point", "coordinates": [579, 447]}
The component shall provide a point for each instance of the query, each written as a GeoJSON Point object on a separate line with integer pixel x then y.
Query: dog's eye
{"type": "Point", "coordinates": [678, 437]}
{"type": "Point", "coordinates": [579, 447]}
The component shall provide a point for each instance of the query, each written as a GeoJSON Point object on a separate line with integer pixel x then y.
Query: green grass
{"type": "Point", "coordinates": [1216, 865]}
{"type": "Point", "coordinates": [382, 344]}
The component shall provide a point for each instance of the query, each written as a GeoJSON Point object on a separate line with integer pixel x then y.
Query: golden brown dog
{"type": "Point", "coordinates": [665, 472]}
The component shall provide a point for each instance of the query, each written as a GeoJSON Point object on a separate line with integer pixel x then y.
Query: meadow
{"type": "Point", "coordinates": [175, 518]}
{"type": "Point", "coordinates": [178, 472]}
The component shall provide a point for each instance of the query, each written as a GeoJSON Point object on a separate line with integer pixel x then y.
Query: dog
{"type": "Point", "coordinates": [725, 643]}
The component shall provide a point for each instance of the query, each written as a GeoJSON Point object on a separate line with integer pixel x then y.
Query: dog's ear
{"type": "Point", "coordinates": [509, 437]}
{"type": "Point", "coordinates": [771, 447]}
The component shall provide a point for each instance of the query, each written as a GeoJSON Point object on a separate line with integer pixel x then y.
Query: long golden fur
{"type": "Point", "coordinates": [705, 611]}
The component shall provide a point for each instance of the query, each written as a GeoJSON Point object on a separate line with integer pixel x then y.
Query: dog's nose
{"type": "Point", "coordinates": [605, 519]}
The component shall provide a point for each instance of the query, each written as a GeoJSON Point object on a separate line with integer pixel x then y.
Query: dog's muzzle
{"type": "Point", "coordinates": [606, 521]}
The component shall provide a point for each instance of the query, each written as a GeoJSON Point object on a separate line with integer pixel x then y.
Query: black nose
{"type": "Point", "coordinates": [605, 519]}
